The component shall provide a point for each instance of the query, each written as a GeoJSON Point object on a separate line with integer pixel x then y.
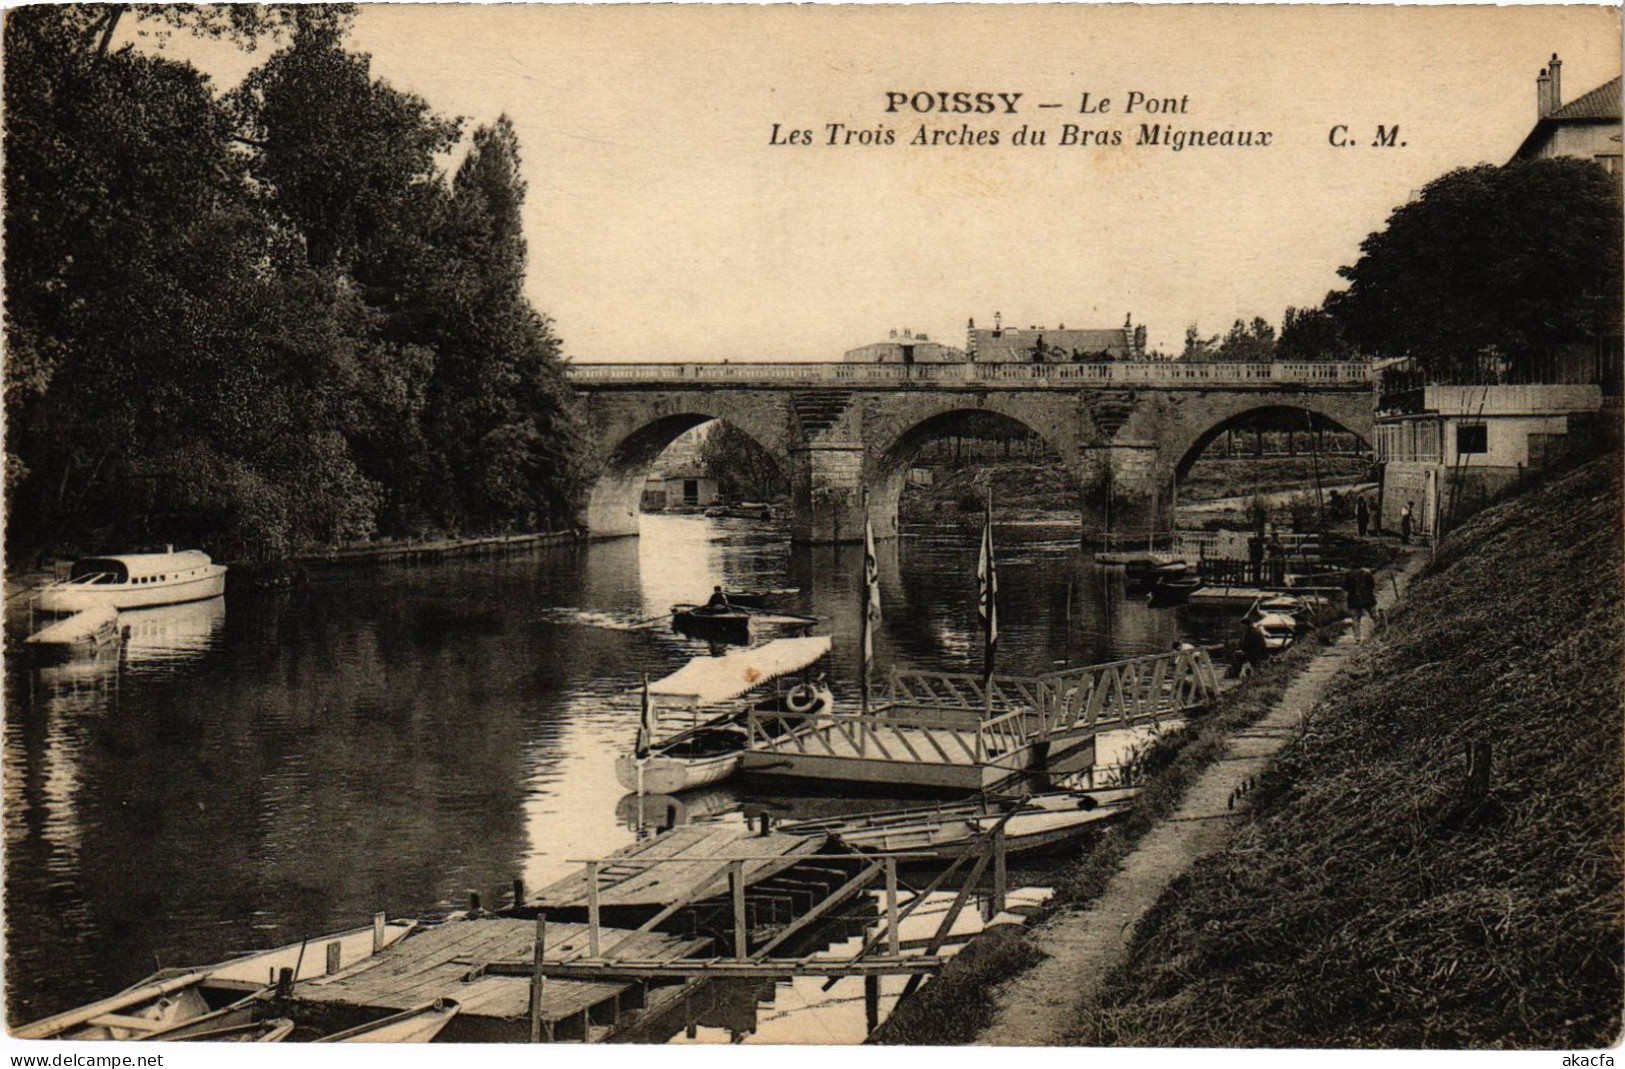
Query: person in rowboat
{"type": "Point", "coordinates": [719, 600]}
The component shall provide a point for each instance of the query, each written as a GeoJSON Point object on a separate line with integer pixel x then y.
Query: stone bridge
{"type": "Point", "coordinates": [1126, 433]}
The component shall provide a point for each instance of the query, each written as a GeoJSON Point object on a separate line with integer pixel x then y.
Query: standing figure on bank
{"type": "Point", "coordinates": [1405, 523]}
{"type": "Point", "coordinates": [1362, 516]}
{"type": "Point", "coordinates": [1361, 586]}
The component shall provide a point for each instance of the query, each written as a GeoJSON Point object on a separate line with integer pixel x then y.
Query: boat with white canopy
{"type": "Point", "coordinates": [135, 581]}
{"type": "Point", "coordinates": [708, 691]}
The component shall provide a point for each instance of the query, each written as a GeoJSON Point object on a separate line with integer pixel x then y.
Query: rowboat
{"type": "Point", "coordinates": [135, 581]}
{"type": "Point", "coordinates": [707, 690]}
{"type": "Point", "coordinates": [714, 624]}
{"type": "Point", "coordinates": [175, 997]}
{"type": "Point", "coordinates": [272, 1030]}
{"type": "Point", "coordinates": [687, 760]}
{"type": "Point", "coordinates": [941, 833]}
{"type": "Point", "coordinates": [420, 1024]}
{"type": "Point", "coordinates": [1172, 584]}
{"type": "Point", "coordinates": [1279, 630]}
{"type": "Point", "coordinates": [732, 623]}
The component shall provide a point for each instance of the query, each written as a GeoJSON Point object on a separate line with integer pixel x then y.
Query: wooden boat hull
{"type": "Point", "coordinates": [274, 1030]}
{"type": "Point", "coordinates": [166, 1001]}
{"type": "Point", "coordinates": [669, 775]}
{"type": "Point", "coordinates": [732, 627]}
{"type": "Point", "coordinates": [418, 1025]}
{"type": "Point", "coordinates": [79, 634]}
{"type": "Point", "coordinates": [942, 833]}
{"type": "Point", "coordinates": [1024, 834]}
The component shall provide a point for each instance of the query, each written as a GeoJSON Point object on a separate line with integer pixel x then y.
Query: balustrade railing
{"type": "Point", "coordinates": [1170, 373]}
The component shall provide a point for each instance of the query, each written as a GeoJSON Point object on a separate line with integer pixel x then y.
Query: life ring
{"type": "Point", "coordinates": [801, 699]}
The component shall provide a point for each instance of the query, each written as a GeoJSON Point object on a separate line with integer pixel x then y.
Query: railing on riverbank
{"type": "Point", "coordinates": [1150, 373]}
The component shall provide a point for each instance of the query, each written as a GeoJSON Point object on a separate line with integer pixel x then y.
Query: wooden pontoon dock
{"type": "Point", "coordinates": [447, 961]}
{"type": "Point", "coordinates": [683, 866]}
{"type": "Point", "coordinates": [958, 731]}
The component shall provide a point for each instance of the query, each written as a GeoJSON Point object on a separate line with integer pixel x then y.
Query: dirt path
{"type": "Point", "coordinates": [1040, 1006]}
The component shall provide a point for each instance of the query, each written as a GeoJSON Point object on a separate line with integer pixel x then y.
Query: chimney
{"type": "Point", "coordinates": [1543, 95]}
{"type": "Point", "coordinates": [1556, 67]}
{"type": "Point", "coordinates": [998, 323]}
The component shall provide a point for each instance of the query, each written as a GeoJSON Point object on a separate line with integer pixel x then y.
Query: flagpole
{"type": "Point", "coordinates": [864, 636]}
{"type": "Point", "coordinates": [641, 758]}
{"type": "Point", "coordinates": [988, 602]}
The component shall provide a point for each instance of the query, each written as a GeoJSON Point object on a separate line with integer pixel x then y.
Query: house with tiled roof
{"type": "Point", "coordinates": [1447, 447]}
{"type": "Point", "coordinates": [1043, 345]}
{"type": "Point", "coordinates": [1588, 127]}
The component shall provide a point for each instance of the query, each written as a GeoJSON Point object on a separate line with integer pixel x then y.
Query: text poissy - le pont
{"type": "Point", "coordinates": [945, 103]}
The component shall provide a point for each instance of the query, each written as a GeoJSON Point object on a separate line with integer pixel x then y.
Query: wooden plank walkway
{"type": "Point", "coordinates": [446, 961]}
{"type": "Point", "coordinates": [676, 865]}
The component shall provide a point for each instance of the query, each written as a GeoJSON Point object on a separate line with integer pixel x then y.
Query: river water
{"type": "Point", "coordinates": [276, 765]}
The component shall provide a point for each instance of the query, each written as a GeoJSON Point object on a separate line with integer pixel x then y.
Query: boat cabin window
{"type": "Point", "coordinates": [99, 570]}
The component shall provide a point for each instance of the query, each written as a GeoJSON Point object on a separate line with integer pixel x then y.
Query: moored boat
{"type": "Point", "coordinates": [175, 997]}
{"type": "Point", "coordinates": [84, 632]}
{"type": "Point", "coordinates": [941, 833]}
{"type": "Point", "coordinates": [420, 1024]}
{"type": "Point", "coordinates": [707, 691]}
{"type": "Point", "coordinates": [134, 581]}
{"type": "Point", "coordinates": [690, 759]}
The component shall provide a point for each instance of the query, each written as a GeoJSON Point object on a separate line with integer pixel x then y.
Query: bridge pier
{"type": "Point", "coordinates": [613, 506]}
{"type": "Point", "coordinates": [1128, 493]}
{"type": "Point", "coordinates": [826, 483]}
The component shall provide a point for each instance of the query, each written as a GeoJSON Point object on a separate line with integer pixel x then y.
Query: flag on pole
{"type": "Point", "coordinates": [871, 609]}
{"type": "Point", "coordinates": [987, 586]}
{"type": "Point", "coordinates": [646, 724]}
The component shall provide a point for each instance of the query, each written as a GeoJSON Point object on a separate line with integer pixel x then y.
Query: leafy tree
{"type": "Point", "coordinates": [1312, 334]}
{"type": "Point", "coordinates": [1517, 261]}
{"type": "Point", "coordinates": [349, 161]}
{"type": "Point", "coordinates": [1246, 343]}
{"type": "Point", "coordinates": [266, 321]}
{"type": "Point", "coordinates": [118, 169]}
{"type": "Point", "coordinates": [1198, 348]}
{"type": "Point", "coordinates": [743, 469]}
{"type": "Point", "coordinates": [501, 413]}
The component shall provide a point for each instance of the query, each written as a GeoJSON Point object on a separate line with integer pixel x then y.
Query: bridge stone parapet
{"type": "Point", "coordinates": [848, 433]}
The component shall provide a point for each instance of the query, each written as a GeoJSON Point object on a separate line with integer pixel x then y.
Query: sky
{"type": "Point", "coordinates": [664, 223]}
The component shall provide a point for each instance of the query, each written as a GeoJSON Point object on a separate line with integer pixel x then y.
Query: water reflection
{"type": "Point", "coordinates": [391, 738]}
{"type": "Point", "coordinates": [171, 635]}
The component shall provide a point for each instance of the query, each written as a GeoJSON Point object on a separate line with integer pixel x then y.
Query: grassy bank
{"type": "Point", "coordinates": [1374, 900]}
{"type": "Point", "coordinates": [957, 1006]}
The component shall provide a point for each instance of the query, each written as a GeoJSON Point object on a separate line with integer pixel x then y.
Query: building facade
{"type": "Point", "coordinates": [1060, 345]}
{"type": "Point", "coordinates": [1464, 444]}
{"type": "Point", "coordinates": [905, 347]}
{"type": "Point", "coordinates": [1586, 128]}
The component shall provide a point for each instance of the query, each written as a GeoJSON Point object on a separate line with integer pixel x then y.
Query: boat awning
{"type": "Point", "coordinates": [708, 680]}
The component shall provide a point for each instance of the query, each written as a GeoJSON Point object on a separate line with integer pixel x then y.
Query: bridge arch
{"type": "Point", "coordinates": [1172, 431]}
{"type": "Point", "coordinates": [633, 438]}
{"type": "Point", "coordinates": [1193, 450]}
{"type": "Point", "coordinates": [894, 450]}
